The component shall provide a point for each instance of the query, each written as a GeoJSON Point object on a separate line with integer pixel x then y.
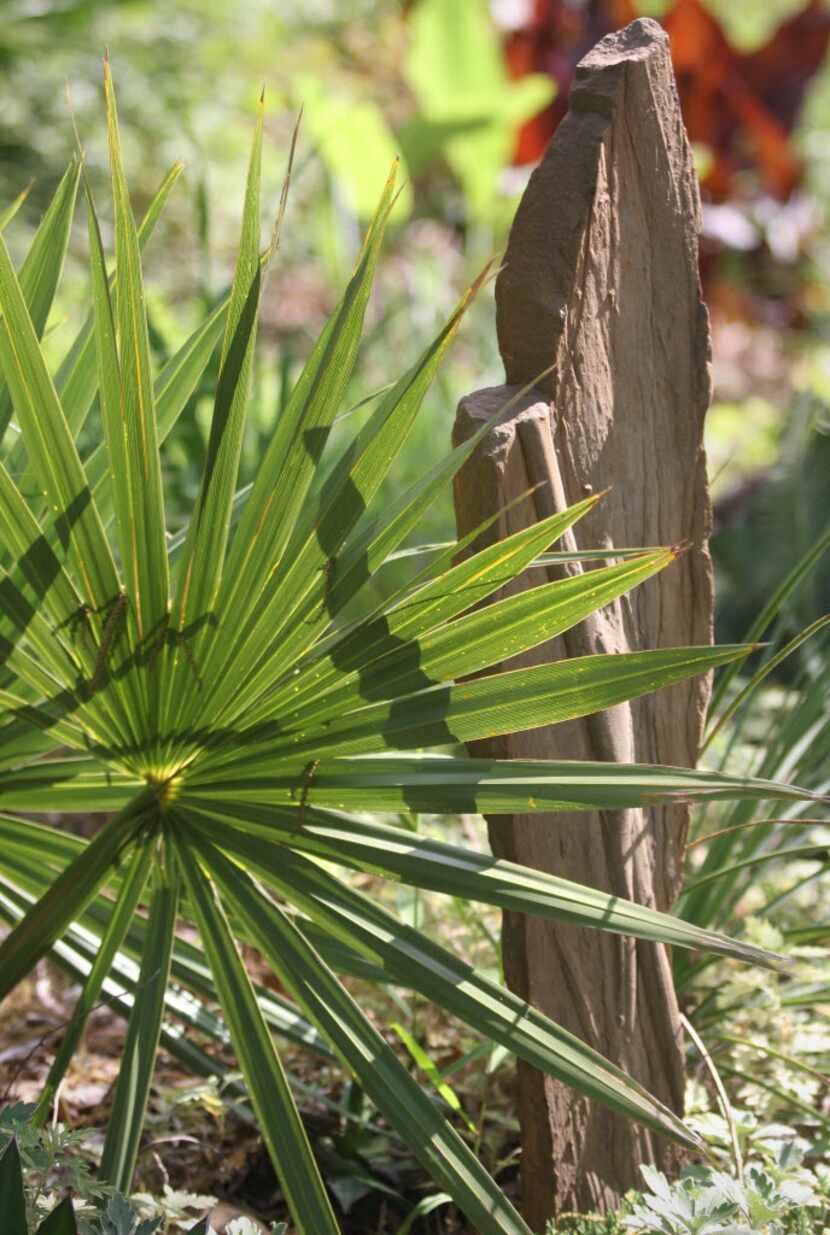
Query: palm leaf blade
{"type": "Point", "coordinates": [277, 1113]}
{"type": "Point", "coordinates": [364, 1051]}
{"type": "Point", "coordinates": [135, 1074]}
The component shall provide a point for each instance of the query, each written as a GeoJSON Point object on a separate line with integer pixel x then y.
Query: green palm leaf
{"type": "Point", "coordinates": [260, 1063]}
{"type": "Point", "coordinates": [503, 703]}
{"type": "Point", "coordinates": [406, 857]}
{"type": "Point", "coordinates": [68, 895]}
{"type": "Point", "coordinates": [127, 403]}
{"type": "Point", "coordinates": [111, 940]}
{"type": "Point", "coordinates": [135, 1074]}
{"type": "Point", "coordinates": [42, 265]}
{"type": "Point", "coordinates": [76, 378]}
{"type": "Point", "coordinates": [410, 959]}
{"type": "Point", "coordinates": [366, 1054]}
{"type": "Point", "coordinates": [203, 554]}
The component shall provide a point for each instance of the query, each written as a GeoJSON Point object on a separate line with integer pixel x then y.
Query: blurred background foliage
{"type": "Point", "coordinates": [466, 94]}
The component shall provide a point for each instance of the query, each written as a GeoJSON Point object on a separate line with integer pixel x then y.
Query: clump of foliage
{"type": "Point", "coordinates": [778, 1197]}
{"type": "Point", "coordinates": [770, 1190]}
{"type": "Point", "coordinates": [213, 698]}
{"type": "Point", "coordinates": [768, 1036]}
{"type": "Point", "coordinates": [47, 1186]}
{"type": "Point", "coordinates": [587, 1224]}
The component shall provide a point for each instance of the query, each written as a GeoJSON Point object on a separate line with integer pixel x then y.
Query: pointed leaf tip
{"type": "Point", "coordinates": [485, 275]}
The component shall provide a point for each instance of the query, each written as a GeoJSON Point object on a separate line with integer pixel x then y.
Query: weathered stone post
{"type": "Point", "coordinates": [600, 280]}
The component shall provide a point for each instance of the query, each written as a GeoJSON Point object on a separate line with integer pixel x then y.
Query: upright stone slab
{"type": "Point", "coordinates": [600, 281]}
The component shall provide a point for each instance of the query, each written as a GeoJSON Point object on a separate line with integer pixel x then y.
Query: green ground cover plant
{"type": "Point", "coordinates": [206, 697]}
{"type": "Point", "coordinates": [47, 1188]}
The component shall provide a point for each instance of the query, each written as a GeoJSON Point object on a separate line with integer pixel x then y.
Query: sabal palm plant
{"type": "Point", "coordinates": [207, 692]}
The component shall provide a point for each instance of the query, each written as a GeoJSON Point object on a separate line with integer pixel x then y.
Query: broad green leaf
{"type": "Point", "coordinates": [41, 269]}
{"type": "Point", "coordinates": [61, 1221]}
{"type": "Point", "coordinates": [455, 66]}
{"type": "Point", "coordinates": [110, 941]}
{"type": "Point", "coordinates": [135, 1074]}
{"type": "Point", "coordinates": [366, 1054]}
{"type": "Point", "coordinates": [352, 137]}
{"type": "Point", "coordinates": [276, 1111]}
{"type": "Point", "coordinates": [68, 895]}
